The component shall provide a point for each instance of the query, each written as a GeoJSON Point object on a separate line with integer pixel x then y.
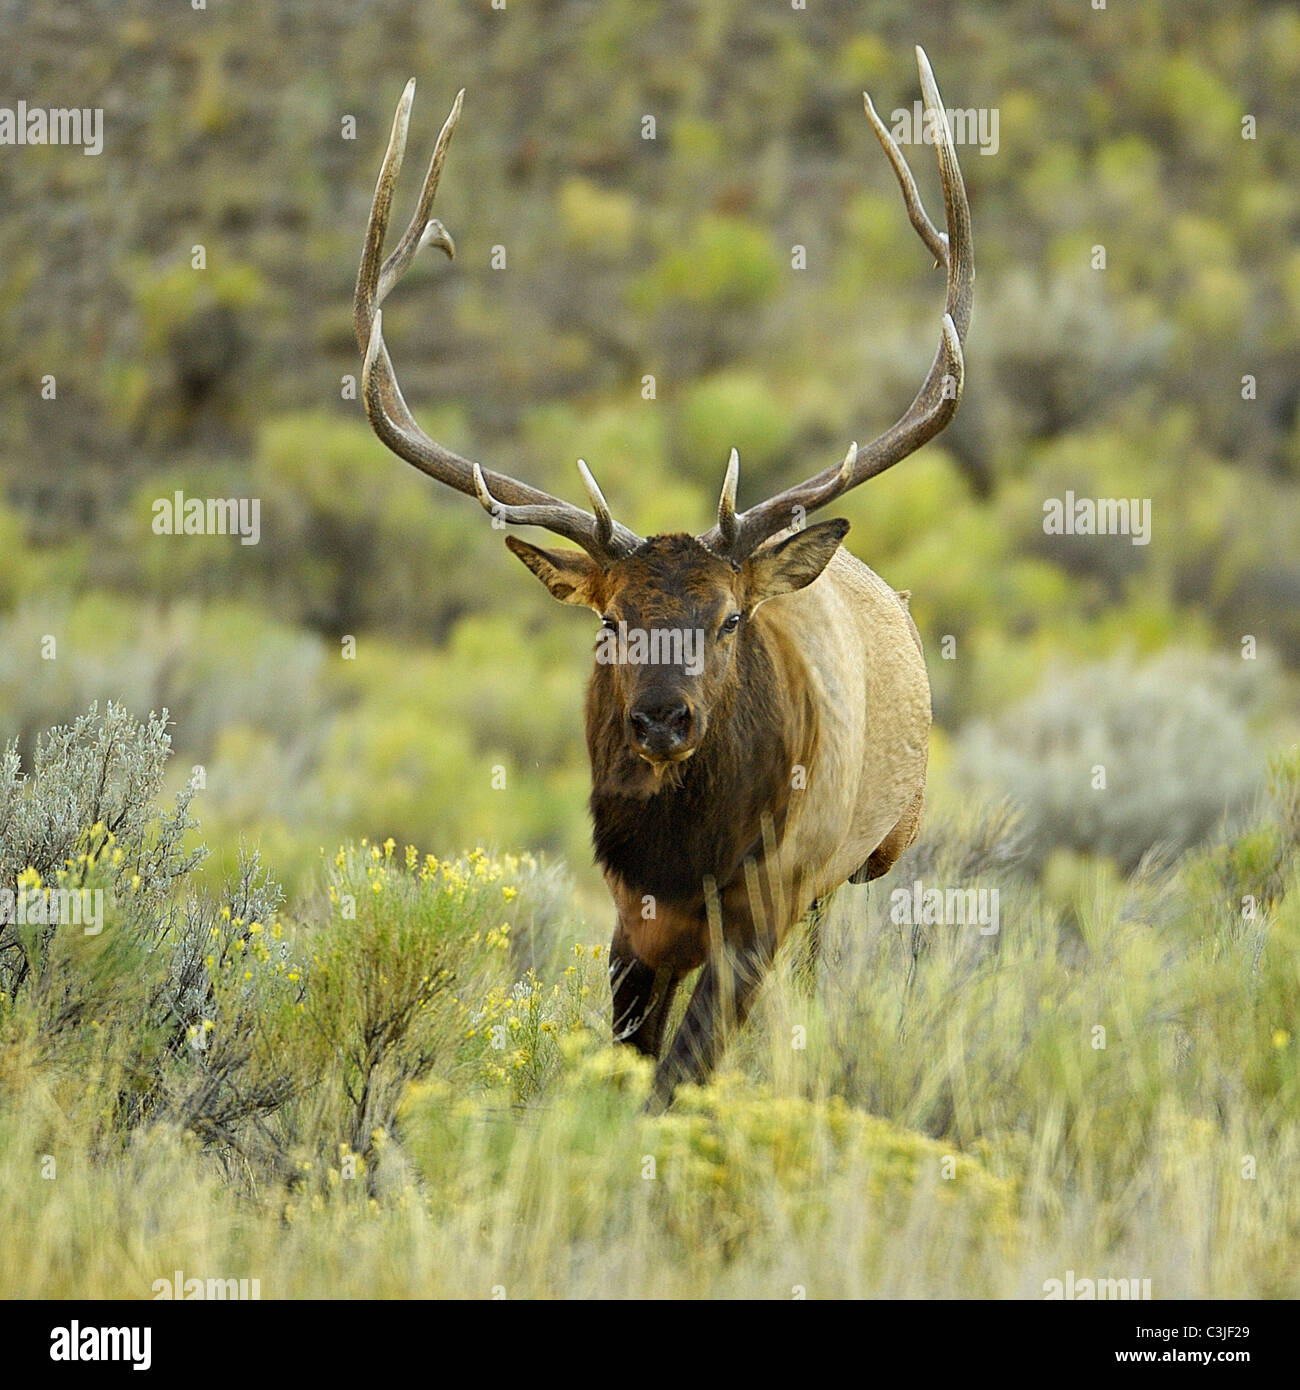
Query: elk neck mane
{"type": "Point", "coordinates": [704, 817]}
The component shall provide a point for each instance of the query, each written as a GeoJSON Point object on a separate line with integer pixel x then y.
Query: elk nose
{"type": "Point", "coordinates": [659, 726]}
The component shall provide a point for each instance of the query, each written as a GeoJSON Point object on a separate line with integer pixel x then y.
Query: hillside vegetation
{"type": "Point", "coordinates": [343, 1029]}
{"type": "Point", "coordinates": [402, 1086]}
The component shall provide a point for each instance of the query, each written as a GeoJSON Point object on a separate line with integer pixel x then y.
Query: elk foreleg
{"type": "Point", "coordinates": [724, 993]}
{"type": "Point", "coordinates": [642, 997]}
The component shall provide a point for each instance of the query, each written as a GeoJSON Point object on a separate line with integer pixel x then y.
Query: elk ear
{"type": "Point", "coordinates": [795, 563]}
{"type": "Point", "coordinates": [569, 574]}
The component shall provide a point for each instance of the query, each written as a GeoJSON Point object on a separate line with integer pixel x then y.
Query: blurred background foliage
{"type": "Point", "coordinates": [626, 258]}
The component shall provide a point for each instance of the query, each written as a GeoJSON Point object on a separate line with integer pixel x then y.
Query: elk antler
{"type": "Point", "coordinates": [735, 536]}
{"type": "Point", "coordinates": [603, 538]}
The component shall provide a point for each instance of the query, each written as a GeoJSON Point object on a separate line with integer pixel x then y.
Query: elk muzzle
{"type": "Point", "coordinates": [662, 727]}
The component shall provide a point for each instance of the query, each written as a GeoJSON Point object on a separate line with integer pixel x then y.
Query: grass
{"type": "Point", "coordinates": [400, 1085]}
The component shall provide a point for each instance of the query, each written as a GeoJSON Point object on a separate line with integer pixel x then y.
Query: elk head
{"type": "Point", "coordinates": [674, 609]}
{"type": "Point", "coordinates": [674, 616]}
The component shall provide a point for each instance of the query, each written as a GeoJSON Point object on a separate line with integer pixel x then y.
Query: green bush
{"type": "Point", "coordinates": [722, 263]}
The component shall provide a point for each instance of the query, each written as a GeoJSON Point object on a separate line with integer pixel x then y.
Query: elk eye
{"type": "Point", "coordinates": [730, 625]}
{"type": "Point", "coordinates": [609, 624]}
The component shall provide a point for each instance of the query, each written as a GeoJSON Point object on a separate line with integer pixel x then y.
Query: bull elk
{"type": "Point", "coordinates": [777, 747]}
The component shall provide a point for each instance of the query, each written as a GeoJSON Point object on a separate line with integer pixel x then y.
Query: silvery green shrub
{"type": "Point", "coordinates": [1174, 740]}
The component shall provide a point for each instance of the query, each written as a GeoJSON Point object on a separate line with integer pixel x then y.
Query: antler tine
{"type": "Point", "coordinates": [958, 245]}
{"type": "Point", "coordinates": [727, 502]}
{"type": "Point", "coordinates": [423, 230]}
{"type": "Point", "coordinates": [936, 402]}
{"type": "Point", "coordinates": [558, 516]}
{"type": "Point", "coordinates": [600, 535]}
{"type": "Point", "coordinates": [366, 300]}
{"type": "Point", "coordinates": [727, 521]}
{"type": "Point", "coordinates": [937, 241]}
{"type": "Point", "coordinates": [604, 517]}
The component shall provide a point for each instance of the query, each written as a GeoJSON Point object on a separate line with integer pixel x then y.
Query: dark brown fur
{"type": "Point", "coordinates": [666, 835]}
